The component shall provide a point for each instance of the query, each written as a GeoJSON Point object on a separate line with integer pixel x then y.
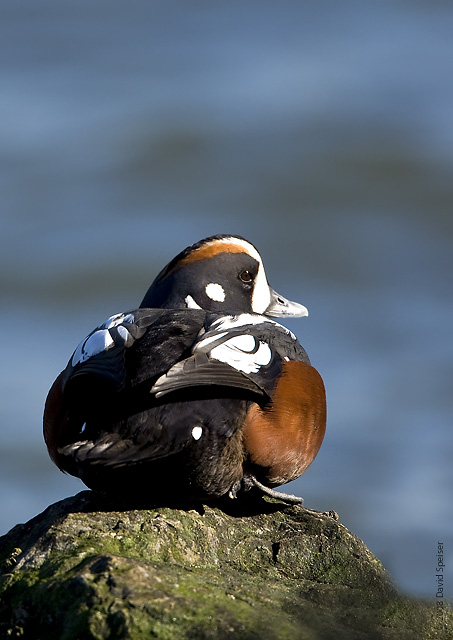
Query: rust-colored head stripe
{"type": "Point", "coordinates": [208, 249]}
{"type": "Point", "coordinates": [213, 249]}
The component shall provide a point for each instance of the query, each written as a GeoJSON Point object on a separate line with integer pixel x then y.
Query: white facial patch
{"type": "Point", "coordinates": [261, 297]}
{"type": "Point", "coordinates": [215, 291]}
{"type": "Point", "coordinates": [197, 433]}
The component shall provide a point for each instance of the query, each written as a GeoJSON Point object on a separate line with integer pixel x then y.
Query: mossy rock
{"type": "Point", "coordinates": [90, 568]}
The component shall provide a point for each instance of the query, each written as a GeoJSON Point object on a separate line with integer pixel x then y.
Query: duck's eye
{"type": "Point", "coordinates": [246, 276]}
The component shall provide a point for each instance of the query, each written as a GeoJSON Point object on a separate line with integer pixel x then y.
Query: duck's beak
{"type": "Point", "coordinates": [280, 307]}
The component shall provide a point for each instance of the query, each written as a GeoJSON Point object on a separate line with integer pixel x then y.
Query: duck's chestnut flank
{"type": "Point", "coordinates": [196, 394]}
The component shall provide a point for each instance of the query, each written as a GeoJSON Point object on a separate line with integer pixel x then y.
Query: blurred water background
{"type": "Point", "coordinates": [323, 133]}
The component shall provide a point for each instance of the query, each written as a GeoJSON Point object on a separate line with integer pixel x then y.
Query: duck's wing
{"type": "Point", "coordinates": [245, 352]}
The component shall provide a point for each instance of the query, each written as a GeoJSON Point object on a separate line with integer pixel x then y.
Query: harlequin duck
{"type": "Point", "coordinates": [196, 394]}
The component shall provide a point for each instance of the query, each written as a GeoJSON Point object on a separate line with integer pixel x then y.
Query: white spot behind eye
{"type": "Point", "coordinates": [215, 291]}
{"type": "Point", "coordinates": [196, 433]}
{"type": "Point", "coordinates": [190, 303]}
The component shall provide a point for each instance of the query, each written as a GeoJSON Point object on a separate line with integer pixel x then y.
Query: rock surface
{"type": "Point", "coordinates": [90, 568]}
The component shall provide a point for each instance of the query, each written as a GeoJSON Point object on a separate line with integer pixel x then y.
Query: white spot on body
{"type": "Point", "coordinates": [99, 341]}
{"type": "Point", "coordinates": [197, 433]}
{"type": "Point", "coordinates": [117, 319]}
{"type": "Point", "coordinates": [190, 303]}
{"type": "Point", "coordinates": [215, 291]}
{"type": "Point", "coordinates": [226, 323]}
{"type": "Point", "coordinates": [243, 343]}
{"type": "Point", "coordinates": [264, 354]}
{"type": "Point", "coordinates": [244, 352]}
{"type": "Point", "coordinates": [205, 342]}
{"type": "Point", "coordinates": [126, 336]}
{"type": "Point", "coordinates": [237, 353]}
{"type": "Point", "coordinates": [124, 333]}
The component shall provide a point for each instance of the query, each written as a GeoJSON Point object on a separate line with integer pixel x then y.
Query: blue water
{"type": "Point", "coordinates": [321, 132]}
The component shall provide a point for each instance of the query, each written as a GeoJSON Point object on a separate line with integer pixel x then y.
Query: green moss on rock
{"type": "Point", "coordinates": [89, 568]}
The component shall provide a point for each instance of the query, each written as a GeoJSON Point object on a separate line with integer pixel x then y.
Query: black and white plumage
{"type": "Point", "coordinates": [169, 403]}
